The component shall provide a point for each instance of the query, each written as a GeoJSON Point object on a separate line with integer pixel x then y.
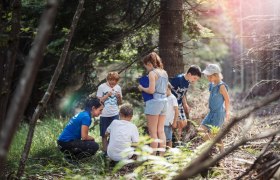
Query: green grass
{"type": "Point", "coordinates": [45, 160]}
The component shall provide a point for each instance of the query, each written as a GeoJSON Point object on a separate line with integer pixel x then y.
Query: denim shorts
{"type": "Point", "coordinates": [168, 133]}
{"type": "Point", "coordinates": [156, 107]}
{"type": "Point", "coordinates": [105, 123]}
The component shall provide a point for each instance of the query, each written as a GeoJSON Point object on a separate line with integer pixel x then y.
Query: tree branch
{"type": "Point", "coordinates": [265, 148]}
{"type": "Point", "coordinates": [24, 88]}
{"type": "Point", "coordinates": [196, 167]}
{"type": "Point", "coordinates": [50, 89]}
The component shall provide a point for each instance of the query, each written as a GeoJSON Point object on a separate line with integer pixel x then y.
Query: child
{"type": "Point", "coordinates": [218, 101]}
{"type": "Point", "coordinates": [155, 109]}
{"type": "Point", "coordinates": [122, 134]}
{"type": "Point", "coordinates": [171, 116]}
{"type": "Point", "coordinates": [110, 94]}
{"type": "Point", "coordinates": [74, 141]}
{"type": "Point", "coordinates": [179, 87]}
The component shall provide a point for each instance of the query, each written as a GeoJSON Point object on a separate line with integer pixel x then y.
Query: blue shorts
{"type": "Point", "coordinates": [156, 107]}
{"type": "Point", "coordinates": [168, 133]}
{"type": "Point", "coordinates": [105, 123]}
{"type": "Point", "coordinates": [214, 119]}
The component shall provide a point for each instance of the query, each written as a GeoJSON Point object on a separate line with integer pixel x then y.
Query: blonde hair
{"type": "Point", "coordinates": [218, 75]}
{"type": "Point", "coordinates": [113, 76]}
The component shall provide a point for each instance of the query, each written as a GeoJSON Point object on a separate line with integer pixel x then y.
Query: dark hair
{"type": "Point", "coordinates": [194, 70]}
{"type": "Point", "coordinates": [154, 59]}
{"type": "Point", "coordinates": [92, 102]}
{"type": "Point", "coordinates": [126, 110]}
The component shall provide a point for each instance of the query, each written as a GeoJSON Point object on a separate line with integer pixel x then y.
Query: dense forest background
{"type": "Point", "coordinates": [37, 36]}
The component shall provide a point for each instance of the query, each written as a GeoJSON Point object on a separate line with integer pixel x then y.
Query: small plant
{"type": "Point", "coordinates": [156, 167]}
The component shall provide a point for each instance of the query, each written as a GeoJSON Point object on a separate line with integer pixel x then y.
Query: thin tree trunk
{"type": "Point", "coordinates": [170, 36]}
{"type": "Point", "coordinates": [50, 89]}
{"type": "Point", "coordinates": [242, 83]}
{"type": "Point", "coordinates": [8, 58]}
{"type": "Point", "coordinates": [23, 90]}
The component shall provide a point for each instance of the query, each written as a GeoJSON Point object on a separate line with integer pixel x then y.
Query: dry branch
{"type": "Point", "coordinates": [258, 158]}
{"type": "Point", "coordinates": [197, 166]}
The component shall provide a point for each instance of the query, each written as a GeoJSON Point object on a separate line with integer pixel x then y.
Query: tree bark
{"type": "Point", "coordinates": [50, 89]}
{"type": "Point", "coordinates": [170, 36]}
{"type": "Point", "coordinates": [23, 90]}
{"type": "Point", "coordinates": [8, 56]}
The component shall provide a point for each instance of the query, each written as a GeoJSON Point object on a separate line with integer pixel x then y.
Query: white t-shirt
{"type": "Point", "coordinates": [111, 103]}
{"type": "Point", "coordinates": [170, 112]}
{"type": "Point", "coordinates": [122, 134]}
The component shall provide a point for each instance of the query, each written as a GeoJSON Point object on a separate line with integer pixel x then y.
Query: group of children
{"type": "Point", "coordinates": [167, 110]}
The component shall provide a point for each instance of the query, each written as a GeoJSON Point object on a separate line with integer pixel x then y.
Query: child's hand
{"type": "Point", "coordinates": [140, 87]}
{"type": "Point", "coordinates": [118, 94]}
{"type": "Point", "coordinates": [174, 125]}
{"type": "Point", "coordinates": [110, 93]}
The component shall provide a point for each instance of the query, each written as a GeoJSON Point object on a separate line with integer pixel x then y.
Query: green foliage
{"type": "Point", "coordinates": [214, 129]}
{"type": "Point", "coordinates": [252, 151]}
{"type": "Point", "coordinates": [156, 167]}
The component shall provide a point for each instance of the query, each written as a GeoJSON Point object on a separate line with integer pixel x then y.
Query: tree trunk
{"type": "Point", "coordinates": [23, 90]}
{"type": "Point", "coordinates": [170, 36]}
{"type": "Point", "coordinates": [8, 54]}
{"type": "Point", "coordinates": [50, 89]}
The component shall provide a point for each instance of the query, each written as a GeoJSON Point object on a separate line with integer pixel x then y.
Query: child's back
{"type": "Point", "coordinates": [122, 134]}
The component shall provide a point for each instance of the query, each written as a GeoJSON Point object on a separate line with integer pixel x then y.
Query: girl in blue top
{"type": "Point", "coordinates": [219, 102]}
{"type": "Point", "coordinates": [74, 140]}
{"type": "Point", "coordinates": [155, 109]}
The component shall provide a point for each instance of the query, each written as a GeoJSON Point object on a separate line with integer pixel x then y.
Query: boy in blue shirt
{"type": "Point", "coordinates": [179, 87]}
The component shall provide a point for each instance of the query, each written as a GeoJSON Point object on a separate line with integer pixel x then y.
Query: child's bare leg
{"type": "Point", "coordinates": [152, 121]}
{"type": "Point", "coordinates": [204, 131]}
{"type": "Point", "coordinates": [169, 144]}
{"type": "Point", "coordinates": [161, 134]}
{"type": "Point", "coordinates": [181, 125]}
{"type": "Point", "coordinates": [104, 144]}
{"type": "Point", "coordinates": [220, 145]}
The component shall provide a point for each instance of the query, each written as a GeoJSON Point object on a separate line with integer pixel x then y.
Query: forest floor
{"type": "Point", "coordinates": [47, 162]}
{"type": "Point", "coordinates": [263, 120]}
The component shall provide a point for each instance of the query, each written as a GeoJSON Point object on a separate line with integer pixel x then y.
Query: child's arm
{"type": "Point", "coordinates": [107, 133]}
{"type": "Point", "coordinates": [174, 124]}
{"type": "Point", "coordinates": [84, 134]}
{"type": "Point", "coordinates": [186, 106]}
{"type": "Point", "coordinates": [152, 84]}
{"type": "Point", "coordinates": [100, 93]}
{"type": "Point", "coordinates": [103, 98]}
{"type": "Point", "coordinates": [119, 98]}
{"type": "Point", "coordinates": [224, 92]}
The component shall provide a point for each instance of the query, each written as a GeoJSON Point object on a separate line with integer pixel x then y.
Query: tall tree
{"type": "Point", "coordinates": [23, 90]}
{"type": "Point", "coordinates": [170, 36]}
{"type": "Point", "coordinates": [8, 53]}
{"type": "Point", "coordinates": [50, 89]}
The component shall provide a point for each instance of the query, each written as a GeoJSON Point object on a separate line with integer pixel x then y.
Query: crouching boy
{"type": "Point", "coordinates": [122, 134]}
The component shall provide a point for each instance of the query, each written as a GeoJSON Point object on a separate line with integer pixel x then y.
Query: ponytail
{"type": "Point", "coordinates": [154, 59]}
